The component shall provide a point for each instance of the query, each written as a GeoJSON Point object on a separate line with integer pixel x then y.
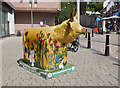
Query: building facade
{"type": "Point", "coordinates": [6, 19]}
{"type": "Point", "coordinates": [43, 12]}
{"type": "Point", "coordinates": [111, 8]}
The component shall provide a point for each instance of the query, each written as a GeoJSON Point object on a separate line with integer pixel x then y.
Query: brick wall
{"type": "Point", "coordinates": [40, 6]}
{"type": "Point", "coordinates": [23, 19]}
{"type": "Point", "coordinates": [41, 11]}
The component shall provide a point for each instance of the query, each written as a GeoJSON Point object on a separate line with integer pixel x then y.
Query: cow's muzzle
{"type": "Point", "coordinates": [82, 31]}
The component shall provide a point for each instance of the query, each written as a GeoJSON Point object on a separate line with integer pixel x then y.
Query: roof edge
{"type": "Point", "coordinates": [9, 3]}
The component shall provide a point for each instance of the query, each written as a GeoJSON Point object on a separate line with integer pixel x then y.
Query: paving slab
{"type": "Point", "coordinates": [92, 69]}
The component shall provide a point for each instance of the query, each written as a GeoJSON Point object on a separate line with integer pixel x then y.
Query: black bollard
{"type": "Point", "coordinates": [89, 42]}
{"type": "Point", "coordinates": [102, 31]}
{"type": "Point", "coordinates": [86, 34]}
{"type": "Point", "coordinates": [92, 33]}
{"type": "Point", "coordinates": [107, 46]}
{"type": "Point", "coordinates": [18, 33]}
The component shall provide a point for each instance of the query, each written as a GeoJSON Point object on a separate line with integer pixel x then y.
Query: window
{"type": "Point", "coordinates": [30, 1]}
{"type": "Point", "coordinates": [5, 30]}
{"type": "Point", "coordinates": [21, 1]}
{"type": "Point", "coordinates": [35, 1]}
{"type": "Point", "coordinates": [45, 21]}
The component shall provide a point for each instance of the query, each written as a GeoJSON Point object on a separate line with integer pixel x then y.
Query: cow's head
{"type": "Point", "coordinates": [75, 28]}
{"type": "Point", "coordinates": [69, 30]}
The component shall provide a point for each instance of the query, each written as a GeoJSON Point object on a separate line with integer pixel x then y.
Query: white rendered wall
{"type": "Point", "coordinates": [11, 23]}
{"type": "Point", "coordinates": [104, 28]}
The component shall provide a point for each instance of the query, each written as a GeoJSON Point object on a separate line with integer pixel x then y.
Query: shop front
{"type": "Point", "coordinates": [7, 20]}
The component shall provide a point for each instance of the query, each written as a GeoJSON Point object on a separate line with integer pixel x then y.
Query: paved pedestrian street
{"type": "Point", "coordinates": [92, 67]}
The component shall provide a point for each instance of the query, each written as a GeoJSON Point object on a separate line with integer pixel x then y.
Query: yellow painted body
{"type": "Point", "coordinates": [48, 45]}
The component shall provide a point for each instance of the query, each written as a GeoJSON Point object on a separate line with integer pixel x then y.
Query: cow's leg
{"type": "Point", "coordinates": [35, 56]}
{"type": "Point", "coordinates": [25, 48]}
{"type": "Point", "coordinates": [65, 56]}
{"type": "Point", "coordinates": [41, 56]}
{"type": "Point", "coordinates": [44, 55]}
{"type": "Point", "coordinates": [23, 41]}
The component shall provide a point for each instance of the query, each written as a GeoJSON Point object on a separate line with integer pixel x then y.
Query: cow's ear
{"type": "Point", "coordinates": [69, 24]}
{"type": "Point", "coordinates": [76, 15]}
{"type": "Point", "coordinates": [72, 15]}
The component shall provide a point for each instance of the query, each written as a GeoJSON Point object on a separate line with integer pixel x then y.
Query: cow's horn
{"type": "Point", "coordinates": [76, 15]}
{"type": "Point", "coordinates": [72, 15]}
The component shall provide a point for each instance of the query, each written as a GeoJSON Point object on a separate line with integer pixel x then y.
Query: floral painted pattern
{"type": "Point", "coordinates": [44, 45]}
{"type": "Point", "coordinates": [26, 33]}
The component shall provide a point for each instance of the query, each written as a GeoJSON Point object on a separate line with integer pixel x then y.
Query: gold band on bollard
{"type": "Point", "coordinates": [107, 45]}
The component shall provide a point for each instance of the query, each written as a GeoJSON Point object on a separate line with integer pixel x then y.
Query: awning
{"type": "Point", "coordinates": [114, 17]}
{"type": "Point", "coordinates": [93, 13]}
{"type": "Point", "coordinates": [97, 13]}
{"type": "Point", "coordinates": [105, 18]}
{"type": "Point", "coordinates": [9, 3]}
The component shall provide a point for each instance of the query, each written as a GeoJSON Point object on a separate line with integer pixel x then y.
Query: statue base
{"type": "Point", "coordinates": [47, 74]}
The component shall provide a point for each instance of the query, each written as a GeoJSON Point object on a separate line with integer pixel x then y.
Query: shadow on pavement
{"type": "Point", "coordinates": [102, 54]}
{"type": "Point", "coordinates": [21, 59]}
{"type": "Point", "coordinates": [97, 52]}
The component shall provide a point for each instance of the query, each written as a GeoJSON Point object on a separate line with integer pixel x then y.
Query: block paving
{"type": "Point", "coordinates": [92, 67]}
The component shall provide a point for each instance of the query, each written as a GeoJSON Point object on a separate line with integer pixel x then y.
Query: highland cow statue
{"type": "Point", "coordinates": [47, 46]}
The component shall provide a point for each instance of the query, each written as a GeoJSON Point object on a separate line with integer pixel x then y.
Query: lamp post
{"type": "Point", "coordinates": [31, 13]}
{"type": "Point", "coordinates": [78, 10]}
{"type": "Point", "coordinates": [31, 16]}
{"type": "Point", "coordinates": [30, 1]}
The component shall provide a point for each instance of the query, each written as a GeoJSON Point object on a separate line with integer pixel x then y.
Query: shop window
{"type": "Point", "coordinates": [3, 23]}
{"type": "Point", "coordinates": [45, 21]}
{"type": "Point", "coordinates": [5, 30]}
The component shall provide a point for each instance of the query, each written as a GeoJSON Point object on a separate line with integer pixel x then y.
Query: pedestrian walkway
{"type": "Point", "coordinates": [91, 69]}
{"type": "Point", "coordinates": [98, 43]}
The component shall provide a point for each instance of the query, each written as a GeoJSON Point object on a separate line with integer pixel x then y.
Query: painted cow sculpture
{"type": "Point", "coordinates": [47, 46]}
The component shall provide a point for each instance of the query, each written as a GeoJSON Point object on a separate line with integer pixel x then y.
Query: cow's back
{"type": "Point", "coordinates": [32, 32]}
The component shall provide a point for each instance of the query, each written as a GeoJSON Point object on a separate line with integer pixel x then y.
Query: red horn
{"type": "Point", "coordinates": [72, 15]}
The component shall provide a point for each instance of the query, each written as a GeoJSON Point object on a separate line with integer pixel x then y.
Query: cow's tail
{"type": "Point", "coordinates": [23, 43]}
{"type": "Point", "coordinates": [23, 37]}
